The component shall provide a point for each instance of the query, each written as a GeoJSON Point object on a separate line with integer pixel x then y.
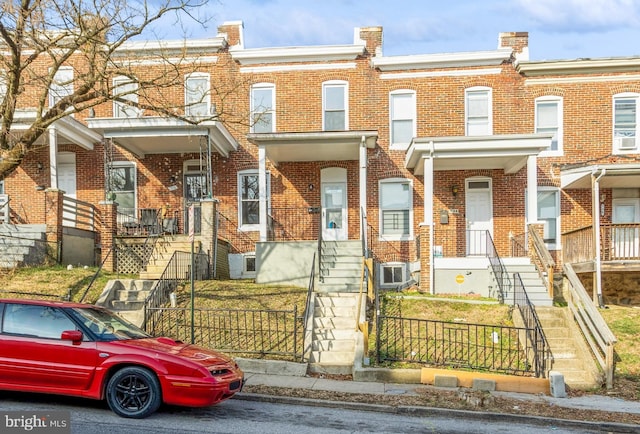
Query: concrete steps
{"type": "Point", "coordinates": [163, 250]}
{"type": "Point", "coordinates": [334, 336]}
{"type": "Point", "coordinates": [340, 266]}
{"type": "Point", "coordinates": [568, 349]}
{"type": "Point", "coordinates": [533, 284]}
{"type": "Point", "coordinates": [126, 297]}
{"type": "Point", "coordinates": [22, 245]}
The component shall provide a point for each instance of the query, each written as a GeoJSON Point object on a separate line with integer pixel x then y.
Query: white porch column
{"type": "Point", "coordinates": [428, 216]}
{"type": "Point", "coordinates": [532, 189]}
{"type": "Point", "coordinates": [363, 185]}
{"type": "Point", "coordinates": [262, 191]}
{"type": "Point", "coordinates": [53, 157]}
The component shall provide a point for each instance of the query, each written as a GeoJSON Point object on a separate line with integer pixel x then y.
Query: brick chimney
{"type": "Point", "coordinates": [518, 41]}
{"type": "Point", "coordinates": [372, 37]}
{"type": "Point", "coordinates": [233, 31]}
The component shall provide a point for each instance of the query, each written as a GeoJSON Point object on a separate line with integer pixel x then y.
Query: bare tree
{"type": "Point", "coordinates": [60, 57]}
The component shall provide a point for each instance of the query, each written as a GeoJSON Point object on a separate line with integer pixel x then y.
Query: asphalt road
{"type": "Point", "coordinates": [248, 416]}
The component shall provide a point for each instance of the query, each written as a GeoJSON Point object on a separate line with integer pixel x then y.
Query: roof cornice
{"type": "Point", "coordinates": [442, 60]}
{"type": "Point", "coordinates": [578, 66]}
{"type": "Point", "coordinates": [321, 53]}
{"type": "Point", "coordinates": [171, 46]}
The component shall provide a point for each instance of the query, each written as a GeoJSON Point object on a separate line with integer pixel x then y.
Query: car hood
{"type": "Point", "coordinates": [195, 353]}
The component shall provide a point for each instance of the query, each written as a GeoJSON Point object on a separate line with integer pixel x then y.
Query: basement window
{"type": "Point", "coordinates": [249, 264]}
{"type": "Point", "coordinates": [392, 274]}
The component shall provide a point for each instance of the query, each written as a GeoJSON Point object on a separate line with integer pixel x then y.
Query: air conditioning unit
{"type": "Point", "coordinates": [625, 142]}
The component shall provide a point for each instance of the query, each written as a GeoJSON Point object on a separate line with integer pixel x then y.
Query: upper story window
{"type": "Point", "coordinates": [125, 93]}
{"type": "Point", "coordinates": [263, 102]}
{"type": "Point", "coordinates": [625, 122]}
{"type": "Point", "coordinates": [549, 120]}
{"type": "Point", "coordinates": [402, 112]}
{"type": "Point", "coordinates": [249, 199]}
{"type": "Point", "coordinates": [196, 95]}
{"type": "Point", "coordinates": [478, 113]}
{"type": "Point", "coordinates": [61, 86]}
{"type": "Point", "coordinates": [334, 106]}
{"type": "Point", "coordinates": [396, 209]}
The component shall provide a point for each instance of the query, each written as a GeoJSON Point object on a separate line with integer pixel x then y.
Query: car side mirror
{"type": "Point", "coordinates": [71, 335]}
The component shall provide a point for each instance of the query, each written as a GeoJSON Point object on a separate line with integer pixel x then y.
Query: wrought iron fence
{"type": "Point", "coordinates": [473, 346]}
{"type": "Point", "coordinates": [257, 332]}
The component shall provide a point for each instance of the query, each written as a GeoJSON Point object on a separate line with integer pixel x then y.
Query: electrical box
{"type": "Point", "coordinates": [444, 217]}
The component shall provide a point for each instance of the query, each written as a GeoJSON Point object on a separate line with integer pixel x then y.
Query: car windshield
{"type": "Point", "coordinates": [107, 326]}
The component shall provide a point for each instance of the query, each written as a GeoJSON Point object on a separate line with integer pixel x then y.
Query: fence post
{"type": "Point", "coordinates": [53, 198]}
{"type": "Point", "coordinates": [109, 223]}
{"type": "Point", "coordinates": [208, 234]}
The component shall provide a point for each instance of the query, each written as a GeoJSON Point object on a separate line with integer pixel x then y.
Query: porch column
{"type": "Point", "coordinates": [53, 219]}
{"type": "Point", "coordinates": [532, 189]}
{"type": "Point", "coordinates": [426, 229]}
{"type": "Point", "coordinates": [53, 158]}
{"type": "Point", "coordinates": [262, 191]}
{"type": "Point", "coordinates": [363, 186]}
{"type": "Point", "coordinates": [109, 211]}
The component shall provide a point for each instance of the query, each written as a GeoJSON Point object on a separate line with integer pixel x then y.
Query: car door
{"type": "Point", "coordinates": [34, 355]}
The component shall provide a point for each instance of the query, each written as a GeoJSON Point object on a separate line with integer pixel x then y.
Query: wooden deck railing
{"type": "Point", "coordinates": [542, 259]}
{"type": "Point", "coordinates": [78, 214]}
{"type": "Point", "coordinates": [597, 333]}
{"type": "Point", "coordinates": [618, 241]}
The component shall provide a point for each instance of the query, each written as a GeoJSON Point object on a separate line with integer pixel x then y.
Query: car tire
{"type": "Point", "coordinates": [134, 392]}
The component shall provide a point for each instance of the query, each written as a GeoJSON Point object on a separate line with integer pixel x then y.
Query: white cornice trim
{"type": "Point", "coordinates": [146, 47]}
{"type": "Point", "coordinates": [578, 66]}
{"type": "Point", "coordinates": [444, 60]}
{"type": "Point", "coordinates": [300, 67]}
{"type": "Point", "coordinates": [296, 54]}
{"type": "Point", "coordinates": [430, 74]}
{"type": "Point", "coordinates": [583, 79]}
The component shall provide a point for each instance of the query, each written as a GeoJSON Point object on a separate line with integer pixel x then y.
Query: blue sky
{"type": "Point", "coordinates": [558, 29]}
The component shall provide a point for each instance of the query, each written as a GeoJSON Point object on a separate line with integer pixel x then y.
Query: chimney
{"type": "Point", "coordinates": [371, 37]}
{"type": "Point", "coordinates": [233, 32]}
{"type": "Point", "coordinates": [517, 41]}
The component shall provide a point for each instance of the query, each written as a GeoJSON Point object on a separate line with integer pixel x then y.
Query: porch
{"type": "Point", "coordinates": [617, 247]}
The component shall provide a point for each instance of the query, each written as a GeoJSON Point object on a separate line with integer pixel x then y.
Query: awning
{"type": "Point", "coordinates": [615, 176]}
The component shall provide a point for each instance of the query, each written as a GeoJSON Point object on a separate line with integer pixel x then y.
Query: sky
{"type": "Point", "coordinates": [558, 29]}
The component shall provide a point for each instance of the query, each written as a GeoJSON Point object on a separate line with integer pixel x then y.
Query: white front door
{"type": "Point", "coordinates": [479, 211]}
{"type": "Point", "coordinates": [625, 238]}
{"type": "Point", "coordinates": [67, 183]}
{"type": "Point", "coordinates": [334, 203]}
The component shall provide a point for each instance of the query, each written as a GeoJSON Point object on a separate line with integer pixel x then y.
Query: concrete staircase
{"type": "Point", "coordinates": [162, 252]}
{"type": "Point", "coordinates": [533, 284]}
{"type": "Point", "coordinates": [334, 336]}
{"type": "Point", "coordinates": [22, 244]}
{"type": "Point", "coordinates": [340, 266]}
{"type": "Point", "coordinates": [569, 351]}
{"type": "Point", "coordinates": [126, 297]}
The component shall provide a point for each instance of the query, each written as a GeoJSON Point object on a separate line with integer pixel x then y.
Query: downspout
{"type": "Point", "coordinates": [596, 236]}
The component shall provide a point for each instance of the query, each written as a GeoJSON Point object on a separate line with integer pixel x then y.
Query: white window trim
{"type": "Point", "coordinates": [251, 227]}
{"type": "Point", "coordinates": [245, 272]}
{"type": "Point", "coordinates": [560, 134]}
{"type": "Point", "coordinates": [344, 84]}
{"type": "Point", "coordinates": [489, 108]}
{"type": "Point", "coordinates": [207, 97]}
{"type": "Point", "coordinates": [120, 109]}
{"type": "Point", "coordinates": [615, 148]}
{"type": "Point", "coordinates": [273, 104]}
{"type": "Point", "coordinates": [401, 146]}
{"type": "Point", "coordinates": [558, 244]}
{"type": "Point", "coordinates": [61, 74]}
{"type": "Point", "coordinates": [392, 264]}
{"type": "Point", "coordinates": [384, 237]}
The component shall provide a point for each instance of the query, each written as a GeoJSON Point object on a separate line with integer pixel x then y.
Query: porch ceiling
{"type": "Point", "coordinates": [315, 146]}
{"type": "Point", "coordinates": [160, 135]}
{"type": "Point", "coordinates": [614, 176]}
{"type": "Point", "coordinates": [506, 152]}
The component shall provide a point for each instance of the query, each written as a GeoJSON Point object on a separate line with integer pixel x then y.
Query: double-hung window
{"type": "Point", "coordinates": [478, 112]}
{"type": "Point", "coordinates": [263, 102]}
{"type": "Point", "coordinates": [402, 112]}
{"type": "Point", "coordinates": [125, 102]}
{"type": "Point", "coordinates": [196, 95]}
{"type": "Point", "coordinates": [549, 120]}
{"type": "Point", "coordinates": [625, 122]}
{"type": "Point", "coordinates": [334, 106]}
{"type": "Point", "coordinates": [396, 210]}
{"type": "Point", "coordinates": [249, 199]}
{"type": "Point", "coordinates": [61, 86]}
{"type": "Point", "coordinates": [122, 184]}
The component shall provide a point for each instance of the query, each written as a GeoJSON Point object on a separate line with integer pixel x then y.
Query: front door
{"type": "Point", "coordinates": [67, 183]}
{"type": "Point", "coordinates": [625, 237]}
{"type": "Point", "coordinates": [334, 204]}
{"type": "Point", "coordinates": [479, 211]}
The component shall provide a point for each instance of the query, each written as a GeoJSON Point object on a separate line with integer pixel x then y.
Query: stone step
{"type": "Point", "coordinates": [14, 241]}
{"type": "Point", "coordinates": [326, 312]}
{"type": "Point", "coordinates": [128, 295]}
{"type": "Point", "coordinates": [335, 300]}
{"type": "Point", "coordinates": [21, 229]}
{"type": "Point", "coordinates": [333, 287]}
{"type": "Point", "coordinates": [334, 323]}
{"type": "Point", "coordinates": [342, 273]}
{"type": "Point", "coordinates": [127, 305]}
{"type": "Point", "coordinates": [333, 345]}
{"type": "Point", "coordinates": [334, 334]}
{"type": "Point", "coordinates": [331, 368]}
{"type": "Point", "coordinates": [332, 357]}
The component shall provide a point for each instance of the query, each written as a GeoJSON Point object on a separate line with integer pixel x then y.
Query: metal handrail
{"type": "Point", "coordinates": [499, 270]}
{"type": "Point", "coordinates": [96, 274]}
{"type": "Point", "coordinates": [307, 315]}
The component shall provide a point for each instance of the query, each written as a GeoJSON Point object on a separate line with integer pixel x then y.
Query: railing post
{"type": "Point", "coordinates": [53, 212]}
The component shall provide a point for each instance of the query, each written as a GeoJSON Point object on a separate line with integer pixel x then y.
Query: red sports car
{"type": "Point", "coordinates": [87, 351]}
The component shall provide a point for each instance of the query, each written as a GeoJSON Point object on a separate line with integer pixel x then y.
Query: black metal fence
{"type": "Point", "coordinates": [460, 345]}
{"type": "Point", "coordinates": [277, 333]}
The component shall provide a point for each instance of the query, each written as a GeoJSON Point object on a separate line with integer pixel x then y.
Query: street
{"type": "Point", "coordinates": [240, 416]}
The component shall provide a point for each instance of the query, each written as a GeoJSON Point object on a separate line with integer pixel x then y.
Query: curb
{"type": "Point", "coordinates": [431, 411]}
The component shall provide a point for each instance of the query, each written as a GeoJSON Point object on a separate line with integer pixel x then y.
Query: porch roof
{"type": "Point", "coordinates": [69, 131]}
{"type": "Point", "coordinates": [507, 152]}
{"type": "Point", "coordinates": [614, 176]}
{"type": "Point", "coordinates": [314, 146]}
{"type": "Point", "coordinates": [163, 135]}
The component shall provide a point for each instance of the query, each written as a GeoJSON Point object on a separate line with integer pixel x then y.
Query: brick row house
{"type": "Point", "coordinates": [431, 164]}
